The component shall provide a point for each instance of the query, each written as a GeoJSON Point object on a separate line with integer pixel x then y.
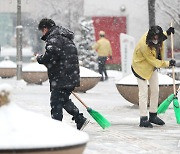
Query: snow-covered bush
{"type": "Point", "coordinates": [87, 57]}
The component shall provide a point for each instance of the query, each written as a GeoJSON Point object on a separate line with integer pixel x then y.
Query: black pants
{"type": "Point", "coordinates": [59, 100]}
{"type": "Point", "coordinates": [102, 65]}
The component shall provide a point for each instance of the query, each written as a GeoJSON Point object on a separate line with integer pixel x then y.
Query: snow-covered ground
{"type": "Point", "coordinates": [124, 135]}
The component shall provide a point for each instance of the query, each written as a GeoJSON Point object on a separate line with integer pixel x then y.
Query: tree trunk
{"type": "Point", "coordinates": [151, 9]}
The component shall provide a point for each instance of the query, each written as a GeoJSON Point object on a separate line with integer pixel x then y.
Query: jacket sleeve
{"type": "Point", "coordinates": [110, 49]}
{"type": "Point", "coordinates": [52, 53]}
{"type": "Point", "coordinates": [150, 57]}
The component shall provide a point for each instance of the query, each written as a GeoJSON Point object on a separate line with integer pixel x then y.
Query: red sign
{"type": "Point", "coordinates": [112, 26]}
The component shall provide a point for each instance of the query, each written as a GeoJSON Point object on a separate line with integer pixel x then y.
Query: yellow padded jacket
{"type": "Point", "coordinates": [103, 47]}
{"type": "Point", "coordinates": [144, 59]}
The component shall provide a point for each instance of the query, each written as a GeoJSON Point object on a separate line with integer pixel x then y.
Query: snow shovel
{"type": "Point", "coordinates": [165, 104]}
{"type": "Point", "coordinates": [103, 122]}
{"type": "Point", "coordinates": [176, 110]}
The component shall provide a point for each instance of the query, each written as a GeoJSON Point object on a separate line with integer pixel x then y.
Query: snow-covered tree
{"type": "Point", "coordinates": [64, 13]}
{"type": "Point", "coordinates": [167, 11]}
{"type": "Point", "coordinates": [87, 57]}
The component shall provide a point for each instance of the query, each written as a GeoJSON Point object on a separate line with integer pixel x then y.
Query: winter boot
{"type": "Point", "coordinates": [82, 124]}
{"type": "Point", "coordinates": [144, 122]}
{"type": "Point", "coordinates": [102, 78]}
{"type": "Point", "coordinates": [153, 118]}
{"type": "Point", "coordinates": [81, 121]}
{"type": "Point", "coordinates": [106, 77]}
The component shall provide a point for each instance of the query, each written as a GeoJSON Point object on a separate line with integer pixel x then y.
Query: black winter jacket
{"type": "Point", "coordinates": [60, 58]}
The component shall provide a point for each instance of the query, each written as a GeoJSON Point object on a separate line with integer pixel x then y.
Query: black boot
{"type": "Point", "coordinates": [153, 118]}
{"type": "Point", "coordinates": [102, 79]}
{"type": "Point", "coordinates": [106, 77]}
{"type": "Point", "coordinates": [144, 122]}
{"type": "Point", "coordinates": [81, 121]}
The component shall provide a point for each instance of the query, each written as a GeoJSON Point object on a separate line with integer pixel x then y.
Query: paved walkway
{"type": "Point", "coordinates": [124, 136]}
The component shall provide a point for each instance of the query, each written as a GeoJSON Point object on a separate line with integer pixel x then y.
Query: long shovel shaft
{"type": "Point", "coordinates": [172, 53]}
{"type": "Point", "coordinates": [80, 100]}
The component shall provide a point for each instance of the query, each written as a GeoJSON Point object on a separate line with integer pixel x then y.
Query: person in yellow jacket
{"type": "Point", "coordinates": [103, 47]}
{"type": "Point", "coordinates": [147, 58]}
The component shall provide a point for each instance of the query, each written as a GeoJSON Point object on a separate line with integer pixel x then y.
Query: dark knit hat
{"type": "Point", "coordinates": [155, 30]}
{"type": "Point", "coordinates": [46, 23]}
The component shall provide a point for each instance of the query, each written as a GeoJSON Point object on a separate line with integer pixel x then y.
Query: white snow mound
{"type": "Point", "coordinates": [34, 67]}
{"type": "Point", "coordinates": [85, 72]}
{"type": "Point", "coordinates": [131, 80]}
{"type": "Point", "coordinates": [22, 129]}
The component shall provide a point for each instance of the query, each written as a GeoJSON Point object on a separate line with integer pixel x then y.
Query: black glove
{"type": "Point", "coordinates": [170, 30]}
{"type": "Point", "coordinates": [110, 57]}
{"type": "Point", "coordinates": [172, 62]}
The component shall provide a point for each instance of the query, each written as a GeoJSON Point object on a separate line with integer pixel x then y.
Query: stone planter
{"type": "Point", "coordinates": [34, 73]}
{"type": "Point", "coordinates": [76, 149]}
{"type": "Point", "coordinates": [7, 68]}
{"type": "Point", "coordinates": [33, 133]}
{"type": "Point", "coordinates": [88, 79]}
{"type": "Point", "coordinates": [35, 77]}
{"type": "Point", "coordinates": [87, 83]}
{"type": "Point", "coordinates": [129, 90]}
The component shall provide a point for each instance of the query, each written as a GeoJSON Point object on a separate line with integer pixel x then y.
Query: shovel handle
{"type": "Point", "coordinates": [172, 53]}
{"type": "Point", "coordinates": [80, 100]}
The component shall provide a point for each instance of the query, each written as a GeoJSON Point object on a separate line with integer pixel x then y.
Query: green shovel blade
{"type": "Point", "coordinates": [100, 119]}
{"type": "Point", "coordinates": [165, 104]}
{"type": "Point", "coordinates": [176, 110]}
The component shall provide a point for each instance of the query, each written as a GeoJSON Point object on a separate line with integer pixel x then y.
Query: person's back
{"type": "Point", "coordinates": [104, 47]}
{"type": "Point", "coordinates": [104, 50]}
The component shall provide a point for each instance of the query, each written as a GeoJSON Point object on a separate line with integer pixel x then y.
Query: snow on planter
{"type": "Point", "coordinates": [34, 73]}
{"type": "Point", "coordinates": [23, 131]}
{"type": "Point", "coordinates": [169, 72]}
{"type": "Point", "coordinates": [88, 79]}
{"type": "Point", "coordinates": [128, 87]}
{"type": "Point", "coordinates": [7, 68]}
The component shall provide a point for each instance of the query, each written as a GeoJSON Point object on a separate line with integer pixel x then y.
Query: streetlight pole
{"type": "Point", "coordinates": [19, 42]}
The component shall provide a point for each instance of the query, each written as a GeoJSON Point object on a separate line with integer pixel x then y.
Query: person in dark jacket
{"type": "Point", "coordinates": [62, 63]}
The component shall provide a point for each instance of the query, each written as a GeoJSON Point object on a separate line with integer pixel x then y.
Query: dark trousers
{"type": "Point", "coordinates": [59, 101]}
{"type": "Point", "coordinates": [102, 65]}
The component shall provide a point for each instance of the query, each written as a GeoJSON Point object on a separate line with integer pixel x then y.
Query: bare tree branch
{"type": "Point", "coordinates": [171, 12]}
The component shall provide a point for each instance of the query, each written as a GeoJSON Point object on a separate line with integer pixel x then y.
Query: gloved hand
{"type": "Point", "coordinates": [36, 55]}
{"type": "Point", "coordinates": [170, 30]}
{"type": "Point", "coordinates": [172, 62]}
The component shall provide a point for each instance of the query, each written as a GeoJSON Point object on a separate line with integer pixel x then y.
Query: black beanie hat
{"type": "Point", "coordinates": [155, 30]}
{"type": "Point", "coordinates": [46, 23]}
